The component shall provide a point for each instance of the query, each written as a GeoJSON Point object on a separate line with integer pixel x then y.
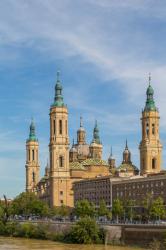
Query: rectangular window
{"type": "Point", "coordinates": [61, 192]}
{"type": "Point", "coordinates": [60, 127]}
{"type": "Point", "coordinates": [66, 127]}
{"type": "Point", "coordinates": [60, 161]}
{"type": "Point", "coordinates": [33, 154]}
{"type": "Point", "coordinates": [29, 154]}
{"type": "Point", "coordinates": [54, 128]}
{"type": "Point", "coordinates": [61, 201]}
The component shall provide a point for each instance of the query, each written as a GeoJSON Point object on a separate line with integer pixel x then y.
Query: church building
{"type": "Point", "coordinates": [84, 161]}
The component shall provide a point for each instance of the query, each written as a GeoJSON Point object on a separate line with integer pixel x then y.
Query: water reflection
{"type": "Point", "coordinates": [27, 244]}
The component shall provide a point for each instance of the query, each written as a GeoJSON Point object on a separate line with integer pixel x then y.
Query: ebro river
{"type": "Point", "coordinates": [28, 244]}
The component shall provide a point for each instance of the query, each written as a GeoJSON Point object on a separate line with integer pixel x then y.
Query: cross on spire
{"type": "Point", "coordinates": [58, 75]}
{"type": "Point", "coordinates": [149, 78]}
{"type": "Point", "coordinates": [81, 121]}
{"type": "Point", "coordinates": [126, 144]}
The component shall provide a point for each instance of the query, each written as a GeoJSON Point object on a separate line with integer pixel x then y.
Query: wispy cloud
{"type": "Point", "coordinates": [117, 42]}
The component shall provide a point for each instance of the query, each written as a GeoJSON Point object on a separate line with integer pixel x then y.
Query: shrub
{"type": "Point", "coordinates": [86, 231]}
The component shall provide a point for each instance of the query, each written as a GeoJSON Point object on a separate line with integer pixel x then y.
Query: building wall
{"type": "Point", "coordinates": [109, 189]}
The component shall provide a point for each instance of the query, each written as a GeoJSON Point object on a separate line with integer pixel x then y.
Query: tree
{"type": "Point", "coordinates": [117, 209]}
{"type": "Point", "coordinates": [157, 209]}
{"type": "Point", "coordinates": [85, 231]}
{"type": "Point", "coordinates": [147, 203]}
{"type": "Point", "coordinates": [84, 208]}
{"type": "Point", "coordinates": [29, 203]}
{"type": "Point", "coordinates": [129, 209]}
{"type": "Point", "coordinates": [5, 210]}
{"type": "Point", "coordinates": [103, 210]}
{"type": "Point", "coordinates": [63, 211]}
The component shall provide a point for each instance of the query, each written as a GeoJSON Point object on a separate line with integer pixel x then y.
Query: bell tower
{"type": "Point", "coordinates": [32, 160]}
{"type": "Point", "coordinates": [81, 134]}
{"type": "Point", "coordinates": [150, 146]}
{"type": "Point", "coordinates": [96, 147]}
{"type": "Point", "coordinates": [59, 150]}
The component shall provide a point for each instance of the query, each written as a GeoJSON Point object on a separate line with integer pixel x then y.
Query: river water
{"type": "Point", "coordinates": [28, 244]}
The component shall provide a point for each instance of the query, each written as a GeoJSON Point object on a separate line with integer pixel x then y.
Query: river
{"type": "Point", "coordinates": [28, 244]}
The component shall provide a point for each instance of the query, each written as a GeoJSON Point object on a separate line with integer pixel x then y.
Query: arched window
{"type": "Point", "coordinates": [33, 177]}
{"type": "Point", "coordinates": [153, 129]}
{"type": "Point", "coordinates": [60, 127]}
{"type": "Point", "coordinates": [153, 163]}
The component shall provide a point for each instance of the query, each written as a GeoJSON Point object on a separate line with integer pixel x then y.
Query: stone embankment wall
{"type": "Point", "coordinates": [142, 234]}
{"type": "Point", "coordinates": [129, 234]}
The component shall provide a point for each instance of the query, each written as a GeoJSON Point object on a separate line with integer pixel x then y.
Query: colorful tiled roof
{"type": "Point", "coordinates": [127, 167]}
{"type": "Point", "coordinates": [94, 162]}
{"type": "Point", "coordinates": [76, 165]}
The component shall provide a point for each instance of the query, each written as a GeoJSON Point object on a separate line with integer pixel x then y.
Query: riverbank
{"type": "Point", "coordinates": [30, 244]}
{"type": "Point", "coordinates": [84, 232]}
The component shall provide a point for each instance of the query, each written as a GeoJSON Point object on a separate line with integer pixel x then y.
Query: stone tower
{"type": "Point", "coordinates": [59, 151]}
{"type": "Point", "coordinates": [73, 153]}
{"type": "Point", "coordinates": [111, 161]}
{"type": "Point", "coordinates": [96, 147]}
{"type": "Point", "coordinates": [81, 134]}
{"type": "Point", "coordinates": [150, 146]}
{"type": "Point", "coordinates": [126, 155]}
{"type": "Point", "coordinates": [32, 160]}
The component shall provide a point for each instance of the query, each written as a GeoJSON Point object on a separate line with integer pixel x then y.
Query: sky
{"type": "Point", "coordinates": [104, 51]}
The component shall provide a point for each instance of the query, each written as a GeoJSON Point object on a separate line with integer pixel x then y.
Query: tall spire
{"type": "Point", "coordinates": [126, 155]}
{"type": "Point", "coordinates": [58, 100]}
{"type": "Point", "coordinates": [149, 78]}
{"type": "Point", "coordinates": [126, 145]}
{"type": "Point", "coordinates": [150, 103]}
{"type": "Point", "coordinates": [32, 134]}
{"type": "Point", "coordinates": [111, 155]}
{"type": "Point", "coordinates": [96, 137]}
{"type": "Point", "coordinates": [81, 122]}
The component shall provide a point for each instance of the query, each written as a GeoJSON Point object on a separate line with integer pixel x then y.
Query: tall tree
{"type": "Point", "coordinates": [102, 210]}
{"type": "Point", "coordinates": [85, 208]}
{"type": "Point", "coordinates": [157, 209]}
{"type": "Point", "coordinates": [117, 209]}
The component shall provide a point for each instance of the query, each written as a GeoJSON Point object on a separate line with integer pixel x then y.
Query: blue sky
{"type": "Point", "coordinates": [104, 51]}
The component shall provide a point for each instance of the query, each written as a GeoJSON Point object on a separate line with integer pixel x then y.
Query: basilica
{"type": "Point", "coordinates": [68, 165]}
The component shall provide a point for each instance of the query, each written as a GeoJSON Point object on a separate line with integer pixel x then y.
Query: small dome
{"type": "Point", "coordinates": [73, 150]}
{"type": "Point", "coordinates": [150, 90]}
{"type": "Point", "coordinates": [81, 129]}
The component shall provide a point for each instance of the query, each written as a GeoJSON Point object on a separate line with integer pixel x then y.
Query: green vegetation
{"type": "Point", "coordinates": [117, 209]}
{"type": "Point", "coordinates": [83, 208]}
{"type": "Point", "coordinates": [103, 210]}
{"type": "Point", "coordinates": [86, 231]}
{"type": "Point", "coordinates": [157, 209]}
{"type": "Point", "coordinates": [28, 203]}
{"type": "Point", "coordinates": [157, 245]}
